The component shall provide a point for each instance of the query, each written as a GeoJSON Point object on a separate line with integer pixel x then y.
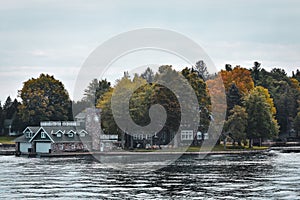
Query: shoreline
{"type": "Point", "coordinates": [152, 153]}
{"type": "Point", "coordinates": [159, 153]}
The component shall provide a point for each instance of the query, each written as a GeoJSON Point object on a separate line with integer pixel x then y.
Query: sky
{"type": "Point", "coordinates": [56, 37]}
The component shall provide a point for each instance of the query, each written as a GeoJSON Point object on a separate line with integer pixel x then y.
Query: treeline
{"type": "Point", "coordinates": [261, 104]}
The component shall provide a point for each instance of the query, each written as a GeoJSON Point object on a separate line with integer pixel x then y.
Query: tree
{"type": "Point", "coordinates": [241, 77]}
{"type": "Point", "coordinates": [256, 71]}
{"type": "Point", "coordinates": [96, 90]}
{"type": "Point", "coordinates": [44, 98]}
{"type": "Point", "coordinates": [297, 124]}
{"type": "Point", "coordinates": [296, 75]}
{"type": "Point", "coordinates": [261, 115]}
{"type": "Point", "coordinates": [202, 69]}
{"type": "Point", "coordinates": [10, 108]}
{"type": "Point", "coordinates": [148, 75]}
{"type": "Point", "coordinates": [237, 123]}
{"type": "Point", "coordinates": [285, 91]}
{"type": "Point", "coordinates": [1, 118]}
{"type": "Point", "coordinates": [200, 88]}
{"type": "Point", "coordinates": [228, 67]}
{"type": "Point", "coordinates": [233, 97]}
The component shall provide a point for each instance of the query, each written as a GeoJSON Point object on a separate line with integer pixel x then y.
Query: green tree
{"type": "Point", "coordinates": [200, 89]}
{"type": "Point", "coordinates": [1, 118]}
{"type": "Point", "coordinates": [237, 123]}
{"type": "Point", "coordinates": [255, 72]}
{"type": "Point", "coordinates": [285, 91]}
{"type": "Point", "coordinates": [233, 97]}
{"type": "Point", "coordinates": [10, 108]}
{"type": "Point", "coordinates": [96, 90]}
{"type": "Point", "coordinates": [148, 75]}
{"type": "Point", "coordinates": [297, 124]}
{"type": "Point", "coordinates": [44, 98]}
{"type": "Point", "coordinates": [201, 69]}
{"type": "Point", "coordinates": [261, 120]}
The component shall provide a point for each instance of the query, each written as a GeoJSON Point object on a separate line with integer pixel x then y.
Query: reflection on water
{"type": "Point", "coordinates": [275, 176]}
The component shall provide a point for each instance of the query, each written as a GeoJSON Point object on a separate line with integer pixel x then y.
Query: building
{"type": "Point", "coordinates": [52, 137]}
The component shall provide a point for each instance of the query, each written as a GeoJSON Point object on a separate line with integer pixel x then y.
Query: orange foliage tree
{"type": "Point", "coordinates": [241, 77]}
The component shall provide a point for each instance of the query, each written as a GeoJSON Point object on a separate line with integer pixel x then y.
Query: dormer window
{"type": "Point", "coordinates": [43, 134]}
{"type": "Point", "coordinates": [82, 134]}
{"type": "Point", "coordinates": [70, 134]}
{"type": "Point", "coordinates": [58, 134]}
{"type": "Point", "coordinates": [28, 134]}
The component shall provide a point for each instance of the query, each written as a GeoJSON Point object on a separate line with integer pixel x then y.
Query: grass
{"type": "Point", "coordinates": [7, 139]}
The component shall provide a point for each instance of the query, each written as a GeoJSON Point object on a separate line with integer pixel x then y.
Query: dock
{"type": "Point", "coordinates": [150, 153]}
{"type": "Point", "coordinates": [291, 149]}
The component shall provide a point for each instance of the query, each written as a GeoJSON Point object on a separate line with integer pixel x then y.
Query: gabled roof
{"type": "Point", "coordinates": [71, 131]}
{"type": "Point", "coordinates": [82, 131]}
{"type": "Point", "coordinates": [47, 133]}
{"type": "Point", "coordinates": [32, 129]}
{"type": "Point", "coordinates": [51, 132]}
{"type": "Point", "coordinates": [56, 132]}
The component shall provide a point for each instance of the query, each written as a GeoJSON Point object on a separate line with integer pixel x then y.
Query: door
{"type": "Point", "coordinates": [24, 146]}
{"type": "Point", "coordinates": [43, 147]}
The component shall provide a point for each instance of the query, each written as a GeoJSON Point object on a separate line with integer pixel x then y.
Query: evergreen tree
{"type": "Point", "coordinates": [201, 69]}
{"type": "Point", "coordinates": [95, 91]}
{"type": "Point", "coordinates": [233, 97]}
{"type": "Point", "coordinates": [148, 75]}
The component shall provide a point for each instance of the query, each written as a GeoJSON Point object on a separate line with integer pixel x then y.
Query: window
{"type": "Point", "coordinates": [43, 134]}
{"type": "Point", "coordinates": [58, 135]}
{"type": "Point", "coordinates": [70, 134]}
{"type": "Point", "coordinates": [82, 134]}
{"type": "Point", "coordinates": [141, 136]}
{"type": "Point", "coordinates": [135, 137]}
{"type": "Point", "coordinates": [28, 134]}
{"type": "Point", "coordinates": [199, 135]}
{"type": "Point", "coordinates": [148, 136]}
{"type": "Point", "coordinates": [187, 135]}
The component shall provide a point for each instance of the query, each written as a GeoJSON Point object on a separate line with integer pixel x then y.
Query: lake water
{"type": "Point", "coordinates": [270, 176]}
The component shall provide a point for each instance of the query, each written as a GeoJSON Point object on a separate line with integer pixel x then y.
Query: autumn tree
{"type": "Point", "coordinates": [241, 77]}
{"type": "Point", "coordinates": [286, 93]}
{"type": "Point", "coordinates": [44, 98]}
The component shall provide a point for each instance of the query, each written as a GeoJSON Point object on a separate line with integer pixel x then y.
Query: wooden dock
{"type": "Point", "coordinates": [151, 153]}
{"type": "Point", "coordinates": [7, 152]}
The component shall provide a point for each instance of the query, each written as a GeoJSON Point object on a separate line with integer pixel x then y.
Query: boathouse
{"type": "Point", "coordinates": [54, 136]}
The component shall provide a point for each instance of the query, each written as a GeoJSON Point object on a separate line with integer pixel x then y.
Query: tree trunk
{"type": "Point", "coordinates": [250, 143]}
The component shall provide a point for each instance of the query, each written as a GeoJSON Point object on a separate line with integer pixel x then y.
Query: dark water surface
{"type": "Point", "coordinates": [274, 176]}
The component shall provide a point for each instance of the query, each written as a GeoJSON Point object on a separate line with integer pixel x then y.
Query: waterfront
{"type": "Point", "coordinates": [260, 176]}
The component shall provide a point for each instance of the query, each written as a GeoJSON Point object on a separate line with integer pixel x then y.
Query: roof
{"type": "Point", "coordinates": [22, 139]}
{"type": "Point", "coordinates": [32, 129]}
{"type": "Point", "coordinates": [80, 115]}
{"type": "Point", "coordinates": [65, 130]}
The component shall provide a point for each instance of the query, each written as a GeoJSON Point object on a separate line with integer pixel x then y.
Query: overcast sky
{"type": "Point", "coordinates": [56, 37]}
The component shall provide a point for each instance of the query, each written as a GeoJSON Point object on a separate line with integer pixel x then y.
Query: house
{"type": "Point", "coordinates": [53, 137]}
